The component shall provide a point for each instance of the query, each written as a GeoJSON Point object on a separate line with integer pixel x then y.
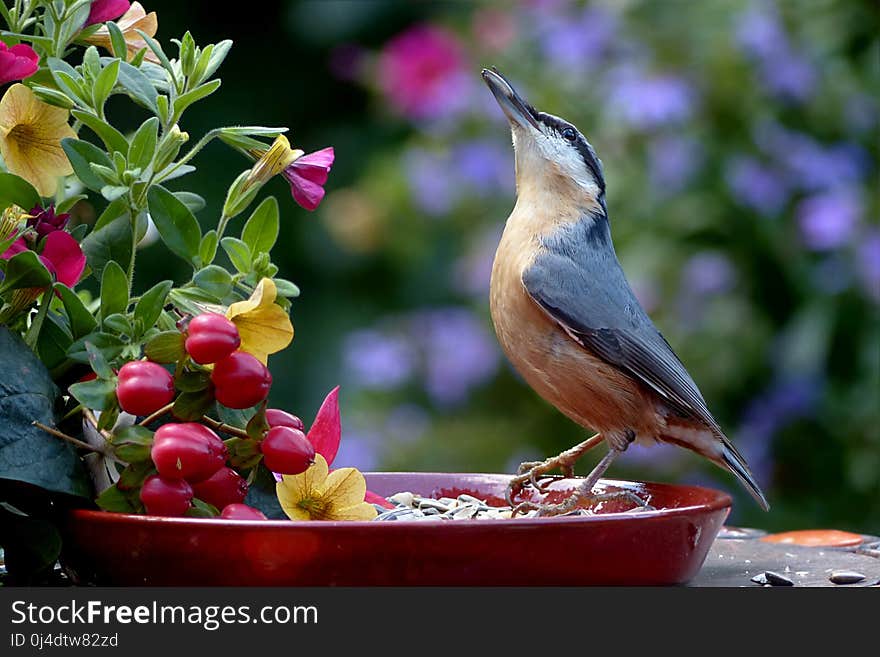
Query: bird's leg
{"type": "Point", "coordinates": [529, 471]}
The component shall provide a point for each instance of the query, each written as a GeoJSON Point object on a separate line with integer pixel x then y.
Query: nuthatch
{"type": "Point", "coordinates": [569, 322]}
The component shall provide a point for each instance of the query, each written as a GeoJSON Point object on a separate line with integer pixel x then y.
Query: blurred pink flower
{"type": "Point", "coordinates": [106, 10]}
{"type": "Point", "coordinates": [421, 72]}
{"type": "Point", "coordinates": [307, 176]}
{"type": "Point", "coordinates": [17, 62]}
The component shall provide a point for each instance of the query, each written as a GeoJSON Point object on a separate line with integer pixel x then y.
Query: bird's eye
{"type": "Point", "coordinates": [569, 134]}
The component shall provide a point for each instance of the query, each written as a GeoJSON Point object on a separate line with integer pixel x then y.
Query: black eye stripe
{"type": "Point", "coordinates": [589, 156]}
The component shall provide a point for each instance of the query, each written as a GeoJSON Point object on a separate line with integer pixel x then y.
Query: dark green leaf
{"type": "Point", "coordinates": [238, 252]}
{"type": "Point", "coordinates": [112, 242]}
{"type": "Point", "coordinates": [104, 83]}
{"type": "Point", "coordinates": [81, 320]}
{"type": "Point", "coordinates": [109, 416]}
{"type": "Point", "coordinates": [244, 453]}
{"type": "Point", "coordinates": [261, 230]}
{"type": "Point", "coordinates": [201, 509]}
{"type": "Point", "coordinates": [214, 280]}
{"type": "Point", "coordinates": [150, 305]}
{"type": "Point", "coordinates": [98, 363]}
{"type": "Point", "coordinates": [190, 406]}
{"type": "Point", "coordinates": [143, 144]}
{"type": "Point", "coordinates": [31, 547]}
{"type": "Point", "coordinates": [175, 223]}
{"type": "Point", "coordinates": [27, 453]}
{"type": "Point", "coordinates": [54, 341]}
{"type": "Point", "coordinates": [81, 154]}
{"type": "Point", "coordinates": [118, 46]}
{"type": "Point", "coordinates": [134, 475]}
{"type": "Point", "coordinates": [192, 381]}
{"type": "Point", "coordinates": [24, 270]}
{"type": "Point", "coordinates": [193, 201]}
{"type": "Point", "coordinates": [119, 324]}
{"type": "Point", "coordinates": [208, 247]}
{"type": "Point", "coordinates": [117, 501]}
{"type": "Point", "coordinates": [166, 347]}
{"type": "Point", "coordinates": [262, 495]}
{"type": "Point", "coordinates": [132, 444]}
{"type": "Point", "coordinates": [109, 344]}
{"type": "Point", "coordinates": [96, 394]}
{"type": "Point", "coordinates": [15, 190]}
{"type": "Point", "coordinates": [138, 86]}
{"type": "Point", "coordinates": [114, 290]}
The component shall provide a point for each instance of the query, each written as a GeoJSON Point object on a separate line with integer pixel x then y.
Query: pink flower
{"type": "Point", "coordinates": [422, 72]}
{"type": "Point", "coordinates": [45, 221]}
{"type": "Point", "coordinates": [61, 254]}
{"type": "Point", "coordinates": [17, 62]}
{"type": "Point", "coordinates": [106, 10]}
{"type": "Point", "coordinates": [307, 176]}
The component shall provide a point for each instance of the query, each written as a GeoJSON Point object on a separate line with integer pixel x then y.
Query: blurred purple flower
{"type": "Point", "coordinates": [832, 275]}
{"type": "Point", "coordinates": [484, 166]}
{"type": "Point", "coordinates": [374, 359]}
{"type": "Point", "coordinates": [707, 273]}
{"type": "Point", "coordinates": [424, 74]}
{"type": "Point", "coordinates": [660, 455]}
{"type": "Point", "coordinates": [755, 185]}
{"type": "Point", "coordinates": [459, 353]}
{"type": "Point", "coordinates": [673, 160]}
{"type": "Point", "coordinates": [868, 261]}
{"type": "Point", "coordinates": [472, 271]}
{"type": "Point", "coordinates": [346, 61]}
{"type": "Point", "coordinates": [649, 101]}
{"type": "Point", "coordinates": [359, 449]}
{"type": "Point", "coordinates": [432, 181]}
{"type": "Point", "coordinates": [407, 422]}
{"type": "Point", "coordinates": [759, 31]}
{"type": "Point", "coordinates": [861, 112]}
{"type": "Point", "coordinates": [829, 220]}
{"type": "Point", "coordinates": [573, 43]}
{"type": "Point", "coordinates": [646, 292]}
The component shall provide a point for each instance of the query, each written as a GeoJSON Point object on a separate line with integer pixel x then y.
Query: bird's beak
{"type": "Point", "coordinates": [514, 107]}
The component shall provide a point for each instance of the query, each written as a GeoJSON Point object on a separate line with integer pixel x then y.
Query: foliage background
{"type": "Point", "coordinates": [740, 142]}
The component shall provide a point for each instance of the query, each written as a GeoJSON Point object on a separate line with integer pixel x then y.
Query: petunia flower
{"type": "Point", "coordinates": [17, 62]}
{"type": "Point", "coordinates": [307, 176]}
{"type": "Point", "coordinates": [318, 494]}
{"type": "Point", "coordinates": [136, 18]}
{"type": "Point", "coordinates": [106, 10]}
{"type": "Point", "coordinates": [45, 221]}
{"type": "Point", "coordinates": [325, 435]}
{"type": "Point", "coordinates": [263, 325]}
{"type": "Point", "coordinates": [30, 138]}
{"type": "Point", "coordinates": [61, 254]}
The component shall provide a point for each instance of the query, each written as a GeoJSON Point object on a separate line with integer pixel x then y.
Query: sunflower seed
{"type": "Point", "coordinates": [846, 577]}
{"type": "Point", "coordinates": [775, 579]}
{"type": "Point", "coordinates": [405, 498]}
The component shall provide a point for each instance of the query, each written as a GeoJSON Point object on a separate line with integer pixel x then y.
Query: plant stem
{"type": "Point", "coordinates": [70, 439]}
{"type": "Point", "coordinates": [156, 415]}
{"type": "Point", "coordinates": [225, 428]}
{"type": "Point", "coordinates": [88, 415]}
{"type": "Point", "coordinates": [33, 333]}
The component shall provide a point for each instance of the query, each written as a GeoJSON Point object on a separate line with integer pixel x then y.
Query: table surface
{"type": "Point", "coordinates": [738, 555]}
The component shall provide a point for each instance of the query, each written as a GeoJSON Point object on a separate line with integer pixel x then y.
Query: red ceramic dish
{"type": "Point", "coordinates": [666, 546]}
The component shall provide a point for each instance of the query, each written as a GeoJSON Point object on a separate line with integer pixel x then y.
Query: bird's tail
{"type": "Point", "coordinates": [734, 461]}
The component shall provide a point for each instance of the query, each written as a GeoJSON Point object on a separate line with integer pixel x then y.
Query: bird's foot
{"type": "Point", "coordinates": [532, 472]}
{"type": "Point", "coordinates": [580, 499]}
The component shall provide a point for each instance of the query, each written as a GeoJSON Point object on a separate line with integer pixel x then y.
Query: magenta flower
{"type": "Point", "coordinates": [61, 255]}
{"type": "Point", "coordinates": [106, 10]}
{"type": "Point", "coordinates": [17, 62]}
{"type": "Point", "coordinates": [45, 221]}
{"type": "Point", "coordinates": [307, 176]}
{"type": "Point", "coordinates": [422, 72]}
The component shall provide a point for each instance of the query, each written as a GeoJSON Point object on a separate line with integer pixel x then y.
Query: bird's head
{"type": "Point", "coordinates": [551, 154]}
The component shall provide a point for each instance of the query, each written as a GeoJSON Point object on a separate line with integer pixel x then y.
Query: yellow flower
{"type": "Point", "coordinates": [271, 162]}
{"type": "Point", "coordinates": [136, 18]}
{"type": "Point", "coordinates": [30, 138]}
{"type": "Point", "coordinates": [318, 494]}
{"type": "Point", "coordinates": [263, 325]}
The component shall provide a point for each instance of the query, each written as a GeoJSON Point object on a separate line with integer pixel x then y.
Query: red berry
{"type": "Point", "coordinates": [241, 512]}
{"type": "Point", "coordinates": [144, 387]}
{"type": "Point", "coordinates": [166, 497]}
{"type": "Point", "coordinates": [275, 417]}
{"type": "Point", "coordinates": [223, 487]}
{"type": "Point", "coordinates": [240, 380]}
{"type": "Point", "coordinates": [211, 337]}
{"type": "Point", "coordinates": [188, 451]}
{"type": "Point", "coordinates": [287, 450]}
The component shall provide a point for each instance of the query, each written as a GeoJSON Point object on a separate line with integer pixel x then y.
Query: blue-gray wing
{"type": "Point", "coordinates": [581, 285]}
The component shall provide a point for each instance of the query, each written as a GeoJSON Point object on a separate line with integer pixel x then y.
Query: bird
{"type": "Point", "coordinates": [570, 324]}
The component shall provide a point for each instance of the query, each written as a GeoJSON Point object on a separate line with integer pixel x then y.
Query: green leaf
{"type": "Point", "coordinates": [15, 190]}
{"type": "Point", "coordinates": [119, 324]}
{"type": "Point", "coordinates": [143, 144]}
{"type": "Point", "coordinates": [239, 253]}
{"type": "Point", "coordinates": [117, 501]}
{"type": "Point", "coordinates": [285, 288]}
{"type": "Point", "coordinates": [109, 416]}
{"type": "Point", "coordinates": [200, 509]}
{"type": "Point", "coordinates": [81, 154]}
{"type": "Point", "coordinates": [54, 341]}
{"type": "Point", "coordinates": [113, 192]}
{"type": "Point", "coordinates": [118, 46]}
{"type": "Point", "coordinates": [112, 212]}
{"type": "Point", "coordinates": [105, 82]}
{"type": "Point", "coordinates": [31, 547]}
{"type": "Point", "coordinates": [261, 230]}
{"type": "Point", "coordinates": [157, 50]}
{"type": "Point", "coordinates": [79, 231]}
{"type": "Point", "coordinates": [97, 394]}
{"type": "Point", "coordinates": [110, 345]}
{"type": "Point", "coordinates": [27, 453]}
{"type": "Point", "coordinates": [190, 97]}
{"type": "Point", "coordinates": [150, 305]}
{"type": "Point", "coordinates": [114, 290]}
{"type": "Point", "coordinates": [138, 86]}
{"type": "Point", "coordinates": [261, 495]}
{"type": "Point", "coordinates": [132, 444]}
{"type": "Point", "coordinates": [192, 380]}
{"type": "Point", "coordinates": [112, 138]}
{"type": "Point", "coordinates": [176, 224]}
{"type": "Point", "coordinates": [208, 247]}
{"type": "Point", "coordinates": [191, 406]}
{"type": "Point", "coordinates": [78, 316]}
{"type": "Point", "coordinates": [218, 54]}
{"type": "Point", "coordinates": [98, 363]}
{"type": "Point", "coordinates": [134, 475]}
{"type": "Point", "coordinates": [193, 201]}
{"type": "Point", "coordinates": [166, 347]}
{"type": "Point", "coordinates": [53, 97]}
{"type": "Point", "coordinates": [214, 280]}
{"type": "Point", "coordinates": [112, 242]}
{"type": "Point", "coordinates": [24, 270]}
